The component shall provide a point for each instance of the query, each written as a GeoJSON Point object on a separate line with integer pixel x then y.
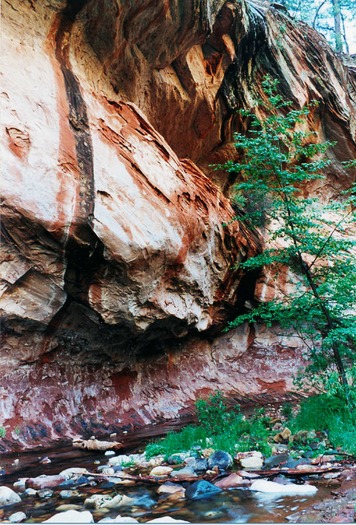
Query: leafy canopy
{"type": "Point", "coordinates": [313, 240]}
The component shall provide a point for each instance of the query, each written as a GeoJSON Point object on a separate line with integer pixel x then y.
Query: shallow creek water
{"type": "Point", "coordinates": [231, 506]}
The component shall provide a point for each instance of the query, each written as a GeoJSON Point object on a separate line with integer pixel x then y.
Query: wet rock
{"type": "Point", "coordinates": [171, 488]}
{"type": "Point", "coordinates": [8, 497]}
{"type": "Point", "coordinates": [322, 459]}
{"type": "Point", "coordinates": [68, 506]}
{"type": "Point", "coordinates": [153, 462]}
{"type": "Point", "coordinates": [176, 459]}
{"type": "Point", "coordinates": [109, 484]}
{"type": "Point", "coordinates": [248, 475]}
{"type": "Point", "coordinates": [20, 484]}
{"type": "Point", "coordinates": [161, 471]}
{"type": "Point", "coordinates": [201, 489]}
{"type": "Point", "coordinates": [29, 492]}
{"type": "Point", "coordinates": [331, 475]}
{"type": "Point", "coordinates": [77, 480]}
{"type": "Point", "coordinates": [282, 480]}
{"type": "Point", "coordinates": [262, 485]}
{"type": "Point", "coordinates": [108, 471]}
{"type": "Point", "coordinates": [96, 501]}
{"type": "Point", "coordinates": [117, 501]}
{"type": "Point", "coordinates": [294, 463]}
{"type": "Point", "coordinates": [69, 473]}
{"type": "Point", "coordinates": [119, 460]}
{"type": "Point", "coordinates": [71, 516]}
{"type": "Point", "coordinates": [45, 461]}
{"type": "Point", "coordinates": [185, 472]}
{"type": "Point", "coordinates": [45, 493]}
{"type": "Point", "coordinates": [234, 480]}
{"type": "Point", "coordinates": [276, 461]}
{"type": "Point", "coordinates": [66, 494]}
{"type": "Point", "coordinates": [44, 482]}
{"type": "Point", "coordinates": [119, 481]}
{"type": "Point", "coordinates": [279, 448]}
{"type": "Point", "coordinates": [199, 465]}
{"type": "Point", "coordinates": [222, 460]}
{"type": "Point", "coordinates": [17, 517]}
{"type": "Point", "coordinates": [207, 452]}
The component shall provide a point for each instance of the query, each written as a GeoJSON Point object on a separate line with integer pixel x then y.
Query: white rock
{"type": "Point", "coordinates": [20, 484]}
{"type": "Point", "coordinates": [119, 501]}
{"type": "Point", "coordinates": [119, 519]}
{"type": "Point", "coordinates": [119, 460]}
{"type": "Point", "coordinates": [108, 471]}
{"type": "Point", "coordinates": [251, 462]}
{"type": "Point", "coordinates": [71, 516]}
{"type": "Point", "coordinates": [269, 487]}
{"type": "Point", "coordinates": [30, 492]}
{"type": "Point", "coordinates": [167, 519]}
{"type": "Point", "coordinates": [8, 496]}
{"type": "Point", "coordinates": [70, 472]}
{"type": "Point", "coordinates": [161, 471]}
{"type": "Point", "coordinates": [17, 517]}
{"type": "Point", "coordinates": [96, 501]}
{"type": "Point", "coordinates": [109, 453]}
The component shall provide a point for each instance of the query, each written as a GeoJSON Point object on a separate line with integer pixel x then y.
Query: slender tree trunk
{"type": "Point", "coordinates": [337, 26]}
{"type": "Point", "coordinates": [330, 324]}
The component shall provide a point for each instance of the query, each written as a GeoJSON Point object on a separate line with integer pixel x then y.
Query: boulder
{"type": "Point", "coordinates": [8, 497]}
{"type": "Point", "coordinates": [219, 458]}
{"type": "Point", "coordinates": [171, 488]}
{"type": "Point", "coordinates": [201, 489]}
{"type": "Point", "coordinates": [232, 481]}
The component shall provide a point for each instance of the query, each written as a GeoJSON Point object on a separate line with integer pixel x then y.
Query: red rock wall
{"type": "Point", "coordinates": [116, 253]}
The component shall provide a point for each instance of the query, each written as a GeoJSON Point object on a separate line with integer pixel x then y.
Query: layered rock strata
{"type": "Point", "coordinates": [116, 252]}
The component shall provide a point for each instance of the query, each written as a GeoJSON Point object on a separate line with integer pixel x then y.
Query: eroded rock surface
{"type": "Point", "coordinates": [116, 252]}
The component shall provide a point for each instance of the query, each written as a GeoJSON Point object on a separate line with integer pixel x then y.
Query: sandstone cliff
{"type": "Point", "coordinates": [118, 247]}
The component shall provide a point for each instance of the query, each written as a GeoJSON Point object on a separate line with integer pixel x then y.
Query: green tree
{"type": "Point", "coordinates": [333, 18]}
{"type": "Point", "coordinates": [279, 159]}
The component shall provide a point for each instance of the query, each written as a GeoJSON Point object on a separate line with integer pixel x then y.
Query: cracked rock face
{"type": "Point", "coordinates": [116, 252]}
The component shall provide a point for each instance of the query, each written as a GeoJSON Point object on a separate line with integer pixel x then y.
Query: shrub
{"type": "Point", "coordinates": [328, 413]}
{"type": "Point", "coordinates": [218, 428]}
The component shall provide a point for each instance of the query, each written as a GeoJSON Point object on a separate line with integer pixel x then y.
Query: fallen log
{"type": "Point", "coordinates": [96, 444]}
{"type": "Point", "coordinates": [293, 472]}
{"type": "Point", "coordinates": [151, 479]}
